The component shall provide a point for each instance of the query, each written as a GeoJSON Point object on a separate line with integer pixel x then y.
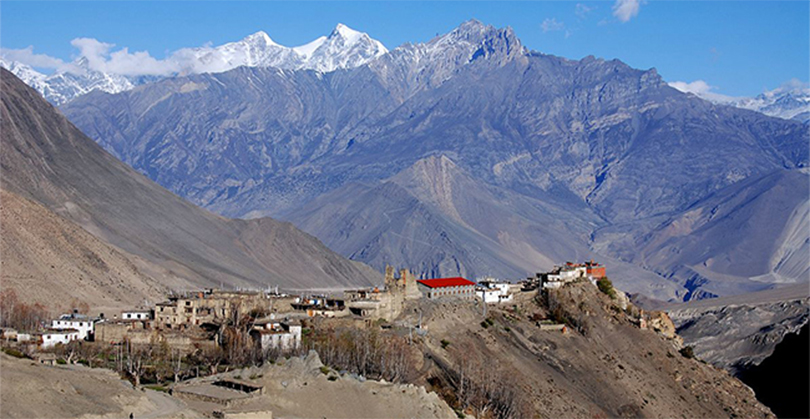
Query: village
{"type": "Point", "coordinates": [187, 344]}
{"type": "Point", "coordinates": [192, 319]}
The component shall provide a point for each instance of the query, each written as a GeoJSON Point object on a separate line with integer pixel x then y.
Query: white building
{"type": "Point", "coordinates": [136, 315]}
{"type": "Point", "coordinates": [52, 337]}
{"type": "Point", "coordinates": [493, 292]}
{"type": "Point", "coordinates": [562, 274]}
{"type": "Point", "coordinates": [81, 323]}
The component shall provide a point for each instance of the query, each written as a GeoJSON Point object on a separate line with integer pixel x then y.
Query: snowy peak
{"type": "Point", "coordinates": [346, 33]}
{"type": "Point", "coordinates": [260, 38]}
{"type": "Point", "coordinates": [344, 48]}
{"type": "Point", "coordinates": [432, 63]}
{"type": "Point", "coordinates": [62, 86]}
{"type": "Point", "coordinates": [789, 101]}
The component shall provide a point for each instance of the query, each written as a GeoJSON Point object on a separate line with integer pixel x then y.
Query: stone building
{"type": "Point", "coordinates": [194, 309]}
{"type": "Point", "coordinates": [388, 303]}
{"type": "Point", "coordinates": [273, 334]}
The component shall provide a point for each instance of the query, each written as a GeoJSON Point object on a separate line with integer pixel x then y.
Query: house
{"type": "Point", "coordinates": [570, 272]}
{"type": "Point", "coordinates": [447, 288]}
{"type": "Point", "coordinates": [52, 337]}
{"type": "Point", "coordinates": [143, 314]}
{"type": "Point", "coordinates": [273, 334]}
{"type": "Point", "coordinates": [197, 308]}
{"type": "Point", "coordinates": [83, 324]}
{"type": "Point", "coordinates": [493, 292]}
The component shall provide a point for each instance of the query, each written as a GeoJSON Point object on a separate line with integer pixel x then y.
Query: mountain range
{"type": "Point", "coordinates": [471, 154]}
{"type": "Point", "coordinates": [79, 224]}
{"type": "Point", "coordinates": [789, 101]}
{"type": "Point", "coordinates": [343, 48]}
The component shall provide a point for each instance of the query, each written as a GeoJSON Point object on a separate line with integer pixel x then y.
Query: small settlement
{"type": "Point", "coordinates": [197, 319]}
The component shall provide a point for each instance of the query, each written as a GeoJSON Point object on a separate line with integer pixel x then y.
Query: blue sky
{"type": "Point", "coordinates": [739, 48]}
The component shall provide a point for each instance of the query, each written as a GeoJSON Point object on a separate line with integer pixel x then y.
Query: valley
{"type": "Point", "coordinates": [581, 156]}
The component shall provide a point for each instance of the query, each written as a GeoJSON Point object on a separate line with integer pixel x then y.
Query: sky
{"type": "Point", "coordinates": [734, 48]}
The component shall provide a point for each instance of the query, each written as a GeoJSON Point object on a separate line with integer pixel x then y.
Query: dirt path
{"type": "Point", "coordinates": [165, 406]}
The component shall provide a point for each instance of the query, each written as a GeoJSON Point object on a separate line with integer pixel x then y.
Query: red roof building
{"type": "Point", "coordinates": [447, 287]}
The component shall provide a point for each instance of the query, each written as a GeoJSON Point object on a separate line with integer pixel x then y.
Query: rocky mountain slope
{"type": "Point", "coordinates": [344, 48]}
{"type": "Point", "coordinates": [603, 365]}
{"type": "Point", "coordinates": [49, 165]}
{"type": "Point", "coordinates": [599, 141]}
{"type": "Point", "coordinates": [760, 337]}
{"type": "Point", "coordinates": [737, 333]}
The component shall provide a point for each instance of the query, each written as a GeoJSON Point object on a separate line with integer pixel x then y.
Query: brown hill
{"type": "Point", "coordinates": [603, 366]}
{"type": "Point", "coordinates": [46, 160]}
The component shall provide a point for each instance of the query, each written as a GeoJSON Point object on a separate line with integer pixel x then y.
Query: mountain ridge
{"type": "Point", "coordinates": [343, 48]}
{"type": "Point", "coordinates": [586, 135]}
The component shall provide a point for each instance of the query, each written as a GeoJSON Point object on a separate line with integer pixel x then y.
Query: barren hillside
{"type": "Point", "coordinates": [604, 366]}
{"type": "Point", "coordinates": [39, 247]}
{"type": "Point", "coordinates": [45, 160]}
{"type": "Point", "coordinates": [31, 390]}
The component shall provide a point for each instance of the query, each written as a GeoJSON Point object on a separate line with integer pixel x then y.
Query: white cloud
{"type": "Point", "coordinates": [550, 25]}
{"type": "Point", "coordinates": [27, 57]}
{"type": "Point", "coordinates": [582, 10]}
{"type": "Point", "coordinates": [626, 9]}
{"type": "Point", "coordinates": [100, 58]}
{"type": "Point", "coordinates": [702, 89]}
{"type": "Point", "coordinates": [792, 85]}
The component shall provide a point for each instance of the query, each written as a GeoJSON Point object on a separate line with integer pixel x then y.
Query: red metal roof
{"type": "Point", "coordinates": [445, 282]}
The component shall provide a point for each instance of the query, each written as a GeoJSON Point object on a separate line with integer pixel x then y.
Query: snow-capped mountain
{"type": "Point", "coordinates": [789, 101]}
{"type": "Point", "coordinates": [63, 86]}
{"type": "Point", "coordinates": [344, 48]}
{"type": "Point", "coordinates": [785, 102]}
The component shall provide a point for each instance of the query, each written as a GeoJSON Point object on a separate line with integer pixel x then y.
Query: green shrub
{"type": "Point", "coordinates": [484, 324]}
{"type": "Point", "coordinates": [157, 387]}
{"type": "Point", "coordinates": [490, 321]}
{"type": "Point", "coordinates": [84, 362]}
{"type": "Point", "coordinates": [324, 369]}
{"type": "Point", "coordinates": [445, 343]}
{"type": "Point", "coordinates": [13, 352]}
{"type": "Point", "coordinates": [606, 287]}
{"type": "Point", "coordinates": [61, 361]}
